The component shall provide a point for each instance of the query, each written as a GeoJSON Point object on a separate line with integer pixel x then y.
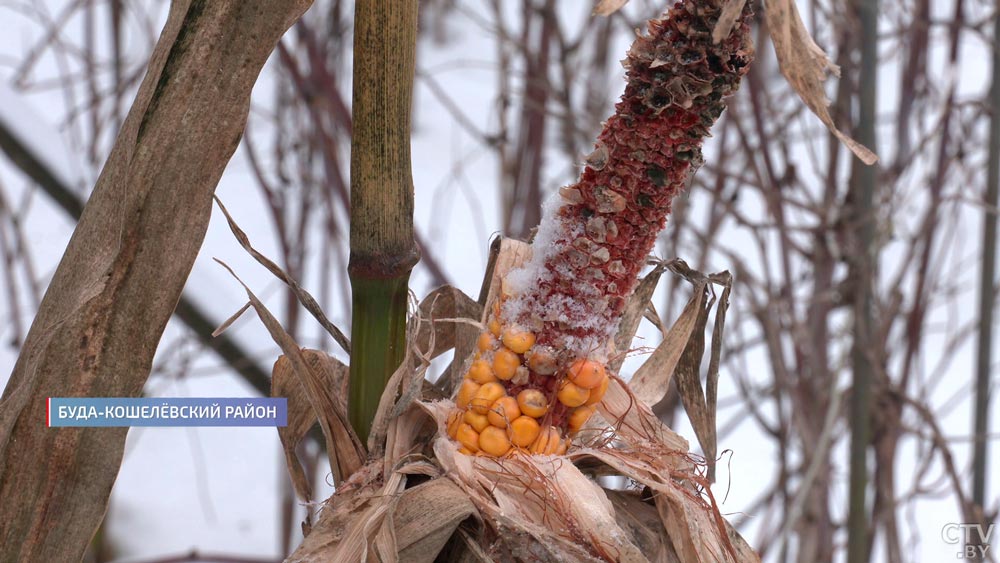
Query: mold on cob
{"type": "Point", "coordinates": [540, 367]}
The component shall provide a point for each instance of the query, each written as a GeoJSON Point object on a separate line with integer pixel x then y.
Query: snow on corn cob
{"type": "Point", "coordinates": [541, 368]}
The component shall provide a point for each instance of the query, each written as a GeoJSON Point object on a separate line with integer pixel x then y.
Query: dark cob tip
{"type": "Point", "coordinates": [596, 235]}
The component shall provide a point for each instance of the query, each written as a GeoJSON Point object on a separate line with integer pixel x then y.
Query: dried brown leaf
{"type": "Point", "coordinates": [343, 447]}
{"type": "Point", "coordinates": [712, 378]}
{"type": "Point", "coordinates": [301, 294]}
{"type": "Point", "coordinates": [688, 377]}
{"type": "Point", "coordinates": [350, 523]}
{"type": "Point", "coordinates": [426, 516]}
{"type": "Point", "coordinates": [376, 519]}
{"type": "Point", "coordinates": [686, 523]}
{"type": "Point", "coordinates": [643, 523]}
{"type": "Point", "coordinates": [407, 434]}
{"type": "Point", "coordinates": [407, 383]}
{"type": "Point", "coordinates": [301, 416]}
{"type": "Point", "coordinates": [699, 403]}
{"type": "Point", "coordinates": [437, 314]}
{"type": "Point", "coordinates": [635, 310]}
{"type": "Point", "coordinates": [400, 391]}
{"type": "Point", "coordinates": [228, 322]}
{"type": "Point", "coordinates": [692, 523]}
{"type": "Point", "coordinates": [652, 380]}
{"type": "Point", "coordinates": [805, 66]}
{"type": "Point", "coordinates": [463, 548]}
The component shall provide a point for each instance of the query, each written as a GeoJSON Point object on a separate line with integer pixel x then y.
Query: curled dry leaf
{"type": "Point", "coordinates": [652, 380]}
{"type": "Point", "coordinates": [634, 422]}
{"type": "Point", "coordinates": [446, 319]}
{"type": "Point", "coordinates": [437, 316]}
{"type": "Point", "coordinates": [304, 297]}
{"type": "Point", "coordinates": [301, 416]}
{"type": "Point", "coordinates": [643, 522]}
{"type": "Point", "coordinates": [804, 64]}
{"type": "Point", "coordinates": [453, 319]}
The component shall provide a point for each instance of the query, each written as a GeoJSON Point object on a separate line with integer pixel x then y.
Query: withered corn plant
{"type": "Point", "coordinates": [787, 311]}
{"type": "Point", "coordinates": [506, 469]}
{"type": "Point", "coordinates": [499, 460]}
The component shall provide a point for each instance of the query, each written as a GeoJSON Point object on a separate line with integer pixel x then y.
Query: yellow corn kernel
{"type": "Point", "coordinates": [494, 441]}
{"type": "Point", "coordinates": [586, 373]}
{"type": "Point", "coordinates": [486, 342]}
{"type": "Point", "coordinates": [532, 402]}
{"type": "Point", "coordinates": [476, 420]}
{"type": "Point", "coordinates": [505, 364]}
{"type": "Point", "coordinates": [454, 420]}
{"type": "Point", "coordinates": [466, 451]}
{"type": "Point", "coordinates": [503, 411]}
{"type": "Point", "coordinates": [486, 396]}
{"type": "Point", "coordinates": [547, 442]}
{"type": "Point", "coordinates": [466, 392]}
{"type": "Point", "coordinates": [597, 393]}
{"type": "Point", "coordinates": [523, 431]}
{"type": "Point", "coordinates": [468, 437]}
{"type": "Point", "coordinates": [542, 361]}
{"type": "Point", "coordinates": [494, 327]}
{"type": "Point", "coordinates": [481, 372]}
{"type": "Point", "coordinates": [579, 417]}
{"type": "Point", "coordinates": [518, 340]}
{"type": "Point", "coordinates": [572, 395]}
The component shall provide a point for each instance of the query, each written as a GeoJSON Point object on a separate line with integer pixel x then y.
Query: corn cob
{"type": "Point", "coordinates": [540, 367]}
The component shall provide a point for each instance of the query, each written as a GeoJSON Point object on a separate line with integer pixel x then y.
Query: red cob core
{"type": "Point", "coordinates": [541, 366]}
{"type": "Point", "coordinates": [596, 234]}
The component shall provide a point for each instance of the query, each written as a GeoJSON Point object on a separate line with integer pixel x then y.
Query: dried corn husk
{"type": "Point", "coordinates": [525, 507]}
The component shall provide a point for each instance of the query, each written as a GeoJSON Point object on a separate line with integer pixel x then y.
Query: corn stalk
{"type": "Point", "coordinates": [383, 250]}
{"type": "Point", "coordinates": [121, 276]}
{"type": "Point", "coordinates": [863, 356]}
{"type": "Point", "coordinates": [987, 299]}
